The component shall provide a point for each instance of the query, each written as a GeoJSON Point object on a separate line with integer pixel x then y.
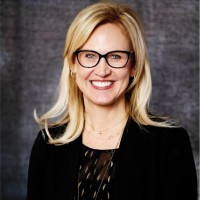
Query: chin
{"type": "Point", "coordinates": [106, 102]}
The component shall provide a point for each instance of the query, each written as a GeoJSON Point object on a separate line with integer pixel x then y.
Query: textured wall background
{"type": "Point", "coordinates": [32, 42]}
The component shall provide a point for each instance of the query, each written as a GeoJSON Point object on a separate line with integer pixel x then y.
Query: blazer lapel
{"type": "Point", "coordinates": [66, 161]}
{"type": "Point", "coordinates": [132, 160]}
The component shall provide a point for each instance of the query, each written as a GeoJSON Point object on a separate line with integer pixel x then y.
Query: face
{"type": "Point", "coordinates": [103, 85]}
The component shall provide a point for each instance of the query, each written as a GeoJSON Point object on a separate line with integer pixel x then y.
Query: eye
{"type": "Point", "coordinates": [90, 55]}
{"type": "Point", "coordinates": [114, 56]}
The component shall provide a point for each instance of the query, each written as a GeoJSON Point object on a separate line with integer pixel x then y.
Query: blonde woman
{"type": "Point", "coordinates": [99, 140]}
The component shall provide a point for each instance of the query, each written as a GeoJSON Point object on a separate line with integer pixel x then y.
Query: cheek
{"type": "Point", "coordinates": [80, 82]}
{"type": "Point", "coordinates": [125, 75]}
{"type": "Point", "coordinates": [125, 78]}
{"type": "Point", "coordinates": [126, 81]}
{"type": "Point", "coordinates": [82, 76]}
{"type": "Point", "coordinates": [81, 72]}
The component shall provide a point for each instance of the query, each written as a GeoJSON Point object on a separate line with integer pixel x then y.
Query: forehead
{"type": "Point", "coordinates": [108, 37]}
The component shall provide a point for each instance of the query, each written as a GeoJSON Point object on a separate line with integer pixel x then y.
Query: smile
{"type": "Point", "coordinates": [102, 84]}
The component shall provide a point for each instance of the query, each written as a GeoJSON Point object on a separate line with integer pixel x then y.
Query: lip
{"type": "Point", "coordinates": [102, 85]}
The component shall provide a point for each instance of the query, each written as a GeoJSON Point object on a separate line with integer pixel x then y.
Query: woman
{"type": "Point", "coordinates": [99, 140]}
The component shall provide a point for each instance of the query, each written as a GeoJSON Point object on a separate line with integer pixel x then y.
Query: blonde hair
{"type": "Point", "coordinates": [69, 107]}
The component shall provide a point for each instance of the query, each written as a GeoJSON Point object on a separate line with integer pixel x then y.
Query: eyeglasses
{"type": "Point", "coordinates": [115, 59]}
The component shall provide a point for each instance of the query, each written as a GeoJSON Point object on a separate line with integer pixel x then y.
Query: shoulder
{"type": "Point", "coordinates": [162, 136]}
{"type": "Point", "coordinates": [55, 132]}
{"type": "Point", "coordinates": [158, 131]}
{"type": "Point", "coordinates": [168, 144]}
{"type": "Point", "coordinates": [41, 141]}
{"type": "Point", "coordinates": [169, 139]}
{"type": "Point", "coordinates": [166, 133]}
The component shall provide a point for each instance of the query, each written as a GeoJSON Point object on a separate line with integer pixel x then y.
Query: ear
{"type": "Point", "coordinates": [73, 71]}
{"type": "Point", "coordinates": [73, 68]}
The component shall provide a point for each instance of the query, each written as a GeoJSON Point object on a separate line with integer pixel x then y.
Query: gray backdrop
{"type": "Point", "coordinates": [32, 42]}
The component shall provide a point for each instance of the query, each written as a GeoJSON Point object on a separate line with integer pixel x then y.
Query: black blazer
{"type": "Point", "coordinates": [153, 163]}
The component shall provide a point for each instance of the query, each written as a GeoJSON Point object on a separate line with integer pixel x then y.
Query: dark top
{"type": "Point", "coordinates": [96, 174]}
{"type": "Point", "coordinates": [152, 163]}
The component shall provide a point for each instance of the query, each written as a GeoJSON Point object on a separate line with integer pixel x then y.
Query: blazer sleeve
{"type": "Point", "coordinates": [37, 167]}
{"type": "Point", "coordinates": [180, 176]}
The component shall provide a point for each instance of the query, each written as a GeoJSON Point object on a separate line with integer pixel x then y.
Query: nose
{"type": "Point", "coordinates": [102, 69]}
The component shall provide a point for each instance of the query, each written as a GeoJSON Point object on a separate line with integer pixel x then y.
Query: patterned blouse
{"type": "Point", "coordinates": [96, 174]}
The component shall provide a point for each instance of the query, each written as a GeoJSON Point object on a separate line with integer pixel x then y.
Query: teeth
{"type": "Point", "coordinates": [101, 83]}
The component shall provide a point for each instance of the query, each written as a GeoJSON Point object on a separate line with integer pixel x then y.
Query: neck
{"type": "Point", "coordinates": [103, 118]}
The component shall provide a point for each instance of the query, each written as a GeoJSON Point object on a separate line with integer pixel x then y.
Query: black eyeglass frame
{"type": "Point", "coordinates": [104, 56]}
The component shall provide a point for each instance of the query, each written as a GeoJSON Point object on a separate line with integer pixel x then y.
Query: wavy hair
{"type": "Point", "coordinates": [69, 106]}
